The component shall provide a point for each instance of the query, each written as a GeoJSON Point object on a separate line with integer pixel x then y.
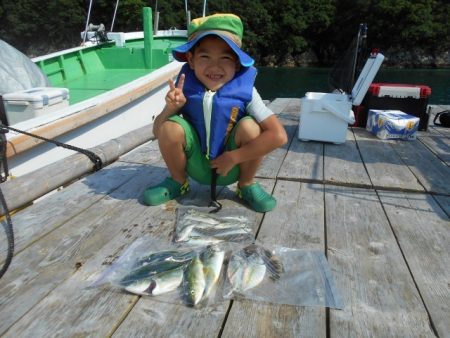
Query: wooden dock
{"type": "Point", "coordinates": [379, 210]}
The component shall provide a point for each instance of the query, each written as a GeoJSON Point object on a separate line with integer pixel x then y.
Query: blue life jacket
{"type": "Point", "coordinates": [227, 109]}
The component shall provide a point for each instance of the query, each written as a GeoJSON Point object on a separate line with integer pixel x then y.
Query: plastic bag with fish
{"type": "Point", "coordinates": [196, 226]}
{"type": "Point", "coordinates": [172, 273]}
{"type": "Point", "coordinates": [281, 275]}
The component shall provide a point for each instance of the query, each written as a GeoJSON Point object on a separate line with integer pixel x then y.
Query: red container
{"type": "Point", "coordinates": [411, 99]}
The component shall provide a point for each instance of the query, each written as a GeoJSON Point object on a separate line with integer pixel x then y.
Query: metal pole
{"type": "Point", "coordinates": [156, 21]}
{"type": "Point", "coordinates": [204, 8]}
{"type": "Point", "coordinates": [355, 55]}
{"type": "Point", "coordinates": [87, 21]}
{"type": "Point", "coordinates": [114, 16]}
{"type": "Point", "coordinates": [188, 15]}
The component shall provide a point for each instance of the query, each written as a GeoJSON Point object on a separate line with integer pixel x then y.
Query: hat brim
{"type": "Point", "coordinates": [179, 53]}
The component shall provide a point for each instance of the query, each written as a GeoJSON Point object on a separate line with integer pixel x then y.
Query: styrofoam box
{"type": "Point", "coordinates": [27, 104]}
{"type": "Point", "coordinates": [325, 116]}
{"type": "Point", "coordinates": [392, 124]}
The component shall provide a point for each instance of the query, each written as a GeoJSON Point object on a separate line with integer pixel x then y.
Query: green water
{"type": "Point", "coordinates": [295, 82]}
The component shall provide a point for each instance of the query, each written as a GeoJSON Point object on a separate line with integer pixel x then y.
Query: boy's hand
{"type": "Point", "coordinates": [224, 163]}
{"type": "Point", "coordinates": [175, 98]}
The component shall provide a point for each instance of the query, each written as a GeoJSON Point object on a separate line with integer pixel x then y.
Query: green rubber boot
{"type": "Point", "coordinates": [165, 191]}
{"type": "Point", "coordinates": [256, 198]}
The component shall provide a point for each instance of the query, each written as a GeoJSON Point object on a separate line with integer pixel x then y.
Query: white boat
{"type": "Point", "coordinates": [114, 88]}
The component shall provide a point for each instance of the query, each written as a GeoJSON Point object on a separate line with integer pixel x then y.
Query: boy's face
{"type": "Point", "coordinates": [214, 62]}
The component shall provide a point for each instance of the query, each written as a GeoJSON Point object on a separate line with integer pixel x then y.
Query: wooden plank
{"type": "Point", "coordinates": [378, 291]}
{"type": "Point", "coordinates": [45, 264]}
{"type": "Point", "coordinates": [444, 203]}
{"type": "Point", "coordinates": [59, 127]}
{"type": "Point", "coordinates": [431, 172]}
{"type": "Point", "coordinates": [385, 167]}
{"type": "Point", "coordinates": [343, 164]}
{"type": "Point", "coordinates": [422, 230]}
{"type": "Point", "coordinates": [279, 104]}
{"type": "Point", "coordinates": [171, 319]}
{"type": "Point", "coordinates": [297, 222]}
{"type": "Point", "coordinates": [437, 143]}
{"type": "Point", "coordinates": [58, 208]}
{"type": "Point", "coordinates": [143, 154]}
{"type": "Point", "coordinates": [288, 116]}
{"type": "Point", "coordinates": [304, 162]}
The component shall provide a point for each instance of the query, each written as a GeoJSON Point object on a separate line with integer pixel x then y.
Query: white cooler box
{"type": "Point", "coordinates": [325, 116]}
{"type": "Point", "coordinates": [26, 104]}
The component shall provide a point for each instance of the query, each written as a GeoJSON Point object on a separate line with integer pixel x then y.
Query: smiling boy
{"type": "Point", "coordinates": [225, 126]}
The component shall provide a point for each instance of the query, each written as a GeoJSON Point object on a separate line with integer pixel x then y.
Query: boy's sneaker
{"type": "Point", "coordinates": [257, 198]}
{"type": "Point", "coordinates": [165, 191]}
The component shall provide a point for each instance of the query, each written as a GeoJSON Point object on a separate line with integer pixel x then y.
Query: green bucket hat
{"type": "Point", "coordinates": [227, 26]}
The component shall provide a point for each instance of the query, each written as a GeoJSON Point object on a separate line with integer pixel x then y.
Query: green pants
{"type": "Point", "coordinates": [198, 166]}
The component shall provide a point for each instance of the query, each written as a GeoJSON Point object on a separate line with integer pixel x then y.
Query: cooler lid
{"type": "Point", "coordinates": [38, 94]}
{"type": "Point", "coordinates": [366, 77]}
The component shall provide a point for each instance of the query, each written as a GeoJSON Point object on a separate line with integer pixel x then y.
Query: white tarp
{"type": "Point", "coordinates": [17, 71]}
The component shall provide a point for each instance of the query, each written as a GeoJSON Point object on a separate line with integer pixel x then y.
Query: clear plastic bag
{"type": "Point", "coordinates": [281, 276]}
{"type": "Point", "coordinates": [172, 273]}
{"type": "Point", "coordinates": [196, 226]}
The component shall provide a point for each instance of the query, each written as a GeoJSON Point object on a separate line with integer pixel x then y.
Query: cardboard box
{"type": "Point", "coordinates": [27, 104]}
{"type": "Point", "coordinates": [325, 116]}
{"type": "Point", "coordinates": [411, 99]}
{"type": "Point", "coordinates": [392, 124]}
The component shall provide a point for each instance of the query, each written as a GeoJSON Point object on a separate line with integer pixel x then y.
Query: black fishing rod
{"type": "Point", "coordinates": [214, 203]}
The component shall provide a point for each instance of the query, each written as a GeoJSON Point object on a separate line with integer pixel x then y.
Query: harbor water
{"type": "Point", "coordinates": [295, 82]}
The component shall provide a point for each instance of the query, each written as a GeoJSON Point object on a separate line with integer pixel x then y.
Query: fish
{"type": "Point", "coordinates": [199, 240]}
{"type": "Point", "coordinates": [199, 228]}
{"type": "Point", "coordinates": [164, 256]}
{"type": "Point", "coordinates": [166, 281]}
{"type": "Point", "coordinates": [156, 263]}
{"type": "Point", "coordinates": [158, 284]}
{"type": "Point", "coordinates": [201, 217]}
{"type": "Point", "coordinates": [272, 261]}
{"type": "Point", "coordinates": [183, 234]}
{"type": "Point", "coordinates": [216, 231]}
{"type": "Point", "coordinates": [245, 272]}
{"type": "Point", "coordinates": [212, 259]}
{"type": "Point", "coordinates": [194, 282]}
{"type": "Point", "coordinates": [146, 272]}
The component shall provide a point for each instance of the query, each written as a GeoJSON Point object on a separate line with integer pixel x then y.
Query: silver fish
{"type": "Point", "coordinates": [273, 262]}
{"type": "Point", "coordinates": [184, 232]}
{"type": "Point", "coordinates": [212, 259]}
{"type": "Point", "coordinates": [156, 258]}
{"type": "Point", "coordinates": [194, 282]}
{"type": "Point", "coordinates": [157, 284]}
{"type": "Point", "coordinates": [216, 231]}
{"type": "Point", "coordinates": [166, 281]}
{"type": "Point", "coordinates": [245, 272]}
{"type": "Point", "coordinates": [200, 240]}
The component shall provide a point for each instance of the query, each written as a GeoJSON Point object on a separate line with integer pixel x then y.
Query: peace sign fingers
{"type": "Point", "coordinates": [175, 98]}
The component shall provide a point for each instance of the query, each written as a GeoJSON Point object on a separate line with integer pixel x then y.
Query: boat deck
{"type": "Point", "coordinates": [99, 82]}
{"type": "Point", "coordinates": [378, 209]}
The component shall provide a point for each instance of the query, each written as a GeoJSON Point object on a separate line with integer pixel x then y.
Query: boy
{"type": "Point", "coordinates": [225, 126]}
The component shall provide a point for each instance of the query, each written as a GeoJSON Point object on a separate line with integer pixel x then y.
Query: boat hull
{"type": "Point", "coordinates": [91, 122]}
